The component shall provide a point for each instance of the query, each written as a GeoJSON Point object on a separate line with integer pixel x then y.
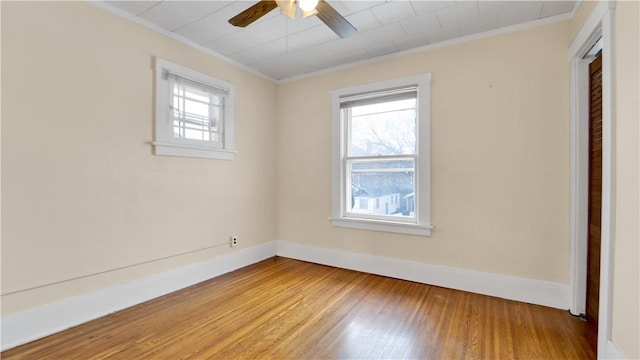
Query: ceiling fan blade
{"type": "Point", "coordinates": [334, 20]}
{"type": "Point", "coordinates": [253, 13]}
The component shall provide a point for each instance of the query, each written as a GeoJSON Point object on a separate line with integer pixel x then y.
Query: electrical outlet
{"type": "Point", "coordinates": [234, 241]}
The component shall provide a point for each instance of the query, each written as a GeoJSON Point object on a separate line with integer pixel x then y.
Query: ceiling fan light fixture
{"type": "Point", "coordinates": [307, 5]}
{"type": "Point", "coordinates": [287, 7]}
{"type": "Point", "coordinates": [306, 14]}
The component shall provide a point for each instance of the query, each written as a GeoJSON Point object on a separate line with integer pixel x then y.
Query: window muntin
{"type": "Point", "coordinates": [381, 156]}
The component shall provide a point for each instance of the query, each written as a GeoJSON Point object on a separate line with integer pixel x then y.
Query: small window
{"type": "Point", "coordinates": [194, 113]}
{"type": "Point", "coordinates": [381, 151]}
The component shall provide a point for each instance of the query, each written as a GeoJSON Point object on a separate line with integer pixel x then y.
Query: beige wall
{"type": "Point", "coordinates": [500, 156]}
{"type": "Point", "coordinates": [81, 191]}
{"type": "Point", "coordinates": [584, 10]}
{"type": "Point", "coordinates": [625, 330]}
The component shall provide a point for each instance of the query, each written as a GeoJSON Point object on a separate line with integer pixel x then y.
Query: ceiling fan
{"type": "Point", "coordinates": [320, 8]}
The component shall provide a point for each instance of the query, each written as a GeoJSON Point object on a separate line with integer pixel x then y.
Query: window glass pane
{"type": "Point", "coordinates": [382, 187]}
{"type": "Point", "coordinates": [196, 108]}
{"type": "Point", "coordinates": [387, 128]}
{"type": "Point", "coordinates": [195, 134]}
{"type": "Point", "coordinates": [196, 113]}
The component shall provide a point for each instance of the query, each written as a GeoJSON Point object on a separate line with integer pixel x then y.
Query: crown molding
{"type": "Point", "coordinates": [181, 39]}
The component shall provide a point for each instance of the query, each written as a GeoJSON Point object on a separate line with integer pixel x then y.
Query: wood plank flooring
{"type": "Point", "coordinates": [288, 309]}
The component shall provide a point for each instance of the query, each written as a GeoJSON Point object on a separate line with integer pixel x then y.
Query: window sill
{"type": "Point", "coordinates": [386, 226]}
{"type": "Point", "coordinates": [182, 150]}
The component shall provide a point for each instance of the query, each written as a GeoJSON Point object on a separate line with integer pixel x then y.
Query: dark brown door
{"type": "Point", "coordinates": [595, 194]}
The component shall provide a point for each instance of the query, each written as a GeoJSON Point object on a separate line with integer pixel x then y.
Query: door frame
{"type": "Point", "coordinates": [600, 24]}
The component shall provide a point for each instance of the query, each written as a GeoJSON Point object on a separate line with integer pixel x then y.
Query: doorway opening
{"type": "Point", "coordinates": [594, 178]}
{"type": "Point", "coordinates": [592, 174]}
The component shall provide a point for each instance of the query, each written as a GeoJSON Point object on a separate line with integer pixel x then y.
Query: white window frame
{"type": "Point", "coordinates": [422, 223]}
{"type": "Point", "coordinates": [165, 142]}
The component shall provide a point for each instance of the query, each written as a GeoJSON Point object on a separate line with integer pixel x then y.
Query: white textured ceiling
{"type": "Point", "coordinates": [282, 48]}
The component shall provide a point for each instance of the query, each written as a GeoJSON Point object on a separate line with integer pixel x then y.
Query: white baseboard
{"type": "Point", "coordinates": [612, 352]}
{"type": "Point", "coordinates": [509, 287]}
{"type": "Point", "coordinates": [23, 327]}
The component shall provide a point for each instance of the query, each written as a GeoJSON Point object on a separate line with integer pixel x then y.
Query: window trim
{"type": "Point", "coordinates": [165, 143]}
{"type": "Point", "coordinates": [422, 226]}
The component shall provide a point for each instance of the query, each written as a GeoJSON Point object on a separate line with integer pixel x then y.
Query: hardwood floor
{"type": "Point", "coordinates": [288, 309]}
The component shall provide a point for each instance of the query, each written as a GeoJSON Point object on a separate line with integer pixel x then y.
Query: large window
{"type": "Point", "coordinates": [381, 156]}
{"type": "Point", "coordinates": [194, 113]}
